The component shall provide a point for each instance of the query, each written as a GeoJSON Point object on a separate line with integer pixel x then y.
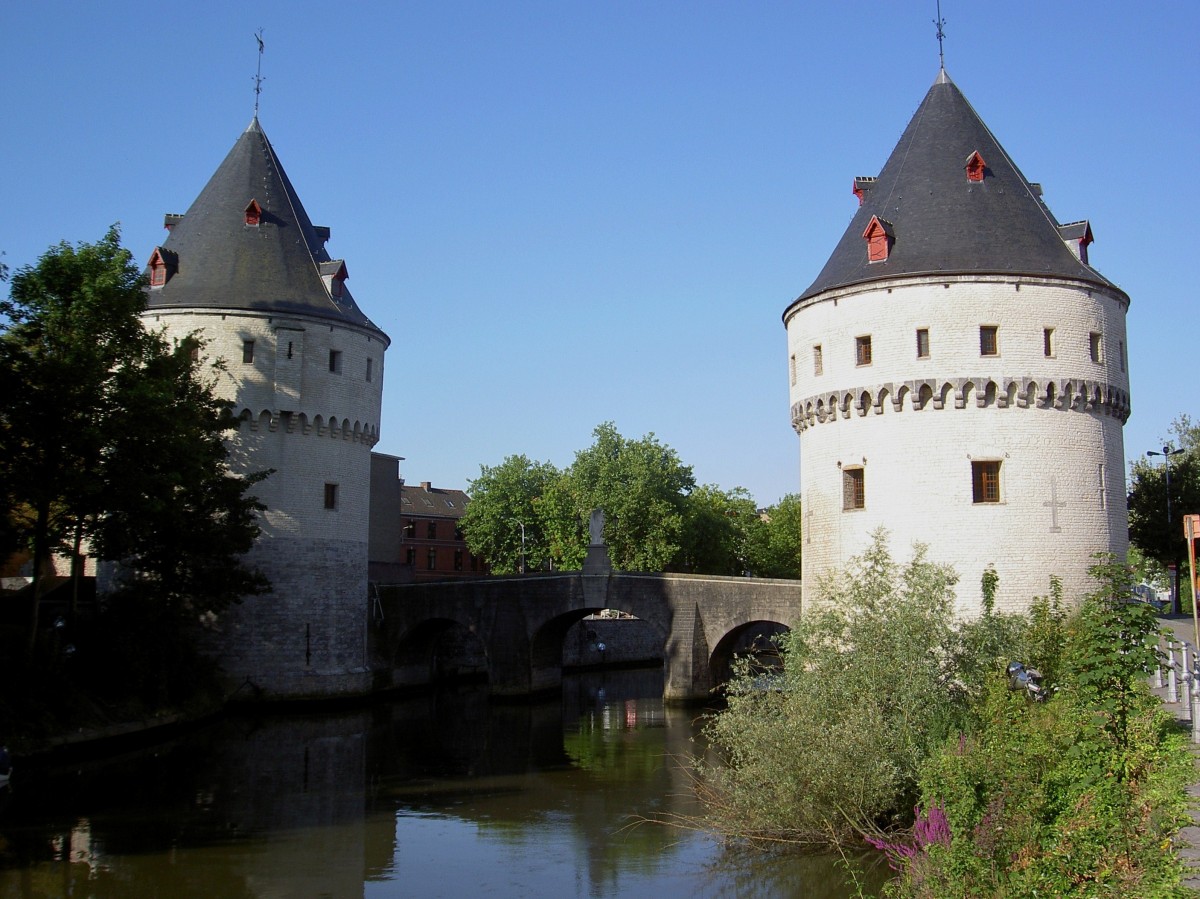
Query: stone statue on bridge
{"type": "Point", "coordinates": [597, 561]}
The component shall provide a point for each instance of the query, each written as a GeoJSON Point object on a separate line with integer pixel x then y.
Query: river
{"type": "Point", "coordinates": [443, 795]}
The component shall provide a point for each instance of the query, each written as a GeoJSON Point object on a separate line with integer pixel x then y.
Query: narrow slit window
{"type": "Point", "coordinates": [922, 343]}
{"type": "Point", "coordinates": [1096, 347]}
{"type": "Point", "coordinates": [335, 361]}
{"type": "Point", "coordinates": [331, 496]}
{"type": "Point", "coordinates": [818, 360]}
{"type": "Point", "coordinates": [792, 368]}
{"type": "Point", "coordinates": [247, 351]}
{"type": "Point", "coordinates": [1048, 342]}
{"type": "Point", "coordinates": [370, 366]}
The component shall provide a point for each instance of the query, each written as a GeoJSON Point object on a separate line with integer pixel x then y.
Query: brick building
{"type": "Point", "coordinates": [432, 545]}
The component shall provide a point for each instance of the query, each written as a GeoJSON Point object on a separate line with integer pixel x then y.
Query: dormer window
{"type": "Point", "coordinates": [975, 167]}
{"type": "Point", "coordinates": [163, 264]}
{"type": "Point", "coordinates": [334, 274]}
{"type": "Point", "coordinates": [253, 213]}
{"type": "Point", "coordinates": [862, 185]}
{"type": "Point", "coordinates": [879, 237]}
{"type": "Point", "coordinates": [1077, 236]}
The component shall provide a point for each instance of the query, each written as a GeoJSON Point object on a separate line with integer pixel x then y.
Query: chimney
{"type": "Point", "coordinates": [427, 486]}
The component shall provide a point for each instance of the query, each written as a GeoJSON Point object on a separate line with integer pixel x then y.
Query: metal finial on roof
{"type": "Point", "coordinates": [258, 75]}
{"type": "Point", "coordinates": [941, 35]}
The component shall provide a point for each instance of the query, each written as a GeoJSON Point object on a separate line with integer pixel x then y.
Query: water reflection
{"type": "Point", "coordinates": [446, 794]}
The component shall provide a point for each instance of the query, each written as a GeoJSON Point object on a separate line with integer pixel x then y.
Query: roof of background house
{"type": "Point", "coordinates": [426, 500]}
{"type": "Point", "coordinates": [943, 223]}
{"type": "Point", "coordinates": [274, 266]}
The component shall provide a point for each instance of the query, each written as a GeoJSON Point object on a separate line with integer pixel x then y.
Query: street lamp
{"type": "Point", "coordinates": [1167, 453]}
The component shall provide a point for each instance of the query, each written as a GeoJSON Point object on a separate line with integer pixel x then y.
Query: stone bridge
{"type": "Point", "coordinates": [518, 625]}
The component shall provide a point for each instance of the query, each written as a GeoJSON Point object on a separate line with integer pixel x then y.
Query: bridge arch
{"type": "Point", "coordinates": [754, 640]}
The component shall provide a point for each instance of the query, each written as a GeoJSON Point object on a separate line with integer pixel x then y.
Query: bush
{"type": "Point", "coordinates": [1078, 796]}
{"type": "Point", "coordinates": [866, 694]}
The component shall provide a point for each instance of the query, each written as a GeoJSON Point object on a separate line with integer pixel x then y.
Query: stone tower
{"type": "Point", "coordinates": [247, 269]}
{"type": "Point", "coordinates": [958, 373]}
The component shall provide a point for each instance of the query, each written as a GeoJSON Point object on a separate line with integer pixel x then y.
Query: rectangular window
{"type": "Point", "coordinates": [818, 360]}
{"type": "Point", "coordinates": [1095, 347]}
{"type": "Point", "coordinates": [985, 482]}
{"type": "Point", "coordinates": [458, 560]}
{"type": "Point", "coordinates": [431, 530]}
{"type": "Point", "coordinates": [1121, 353]}
{"type": "Point", "coordinates": [792, 368]}
{"type": "Point", "coordinates": [335, 361]}
{"type": "Point", "coordinates": [331, 496]}
{"type": "Point", "coordinates": [1048, 342]}
{"type": "Point", "coordinates": [369, 366]}
{"type": "Point", "coordinates": [854, 494]}
{"type": "Point", "coordinates": [247, 350]}
{"type": "Point", "coordinates": [431, 559]}
{"type": "Point", "coordinates": [1103, 483]}
{"type": "Point", "coordinates": [410, 530]}
{"type": "Point", "coordinates": [922, 343]}
{"type": "Point", "coordinates": [862, 350]}
{"type": "Point", "coordinates": [989, 344]}
{"type": "Point", "coordinates": [410, 556]}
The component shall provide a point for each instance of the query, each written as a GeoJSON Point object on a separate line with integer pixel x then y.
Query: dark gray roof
{"type": "Point", "coordinates": [945, 224]}
{"type": "Point", "coordinates": [275, 266]}
{"type": "Point", "coordinates": [426, 500]}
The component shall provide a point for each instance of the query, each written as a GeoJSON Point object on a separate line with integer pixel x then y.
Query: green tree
{"type": "Point", "coordinates": [504, 499]}
{"type": "Point", "coordinates": [84, 382]}
{"type": "Point", "coordinates": [1149, 530]}
{"type": "Point", "coordinates": [642, 486]}
{"type": "Point", "coordinates": [776, 540]}
{"type": "Point", "coordinates": [716, 531]}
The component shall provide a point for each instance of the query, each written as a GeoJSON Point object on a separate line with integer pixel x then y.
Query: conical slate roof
{"type": "Point", "coordinates": [218, 260]}
{"type": "Point", "coordinates": [939, 221]}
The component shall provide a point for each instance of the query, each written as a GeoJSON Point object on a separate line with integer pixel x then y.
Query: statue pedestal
{"type": "Point", "coordinates": [597, 561]}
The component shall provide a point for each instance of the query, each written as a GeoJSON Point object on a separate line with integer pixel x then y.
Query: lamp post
{"type": "Point", "coordinates": [1167, 453]}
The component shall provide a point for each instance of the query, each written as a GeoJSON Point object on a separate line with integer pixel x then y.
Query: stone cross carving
{"type": "Point", "coordinates": [1054, 504]}
{"type": "Point", "coordinates": [596, 527]}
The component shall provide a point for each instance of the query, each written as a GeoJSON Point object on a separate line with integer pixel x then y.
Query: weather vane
{"type": "Point", "coordinates": [941, 35]}
{"type": "Point", "coordinates": [258, 76]}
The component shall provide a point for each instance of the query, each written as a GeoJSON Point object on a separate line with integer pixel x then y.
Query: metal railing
{"type": "Point", "coordinates": [1179, 673]}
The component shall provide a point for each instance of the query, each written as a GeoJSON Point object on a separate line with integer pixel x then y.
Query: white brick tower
{"type": "Point", "coordinates": [246, 268]}
{"type": "Point", "coordinates": [958, 373]}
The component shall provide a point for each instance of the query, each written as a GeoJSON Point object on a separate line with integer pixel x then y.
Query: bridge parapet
{"type": "Point", "coordinates": [519, 624]}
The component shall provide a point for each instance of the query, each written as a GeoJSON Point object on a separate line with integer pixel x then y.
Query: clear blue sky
{"type": "Point", "coordinates": [565, 213]}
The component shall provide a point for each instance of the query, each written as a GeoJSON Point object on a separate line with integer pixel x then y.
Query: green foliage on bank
{"type": "Point", "coordinates": [896, 724]}
{"type": "Point", "coordinates": [112, 445]}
